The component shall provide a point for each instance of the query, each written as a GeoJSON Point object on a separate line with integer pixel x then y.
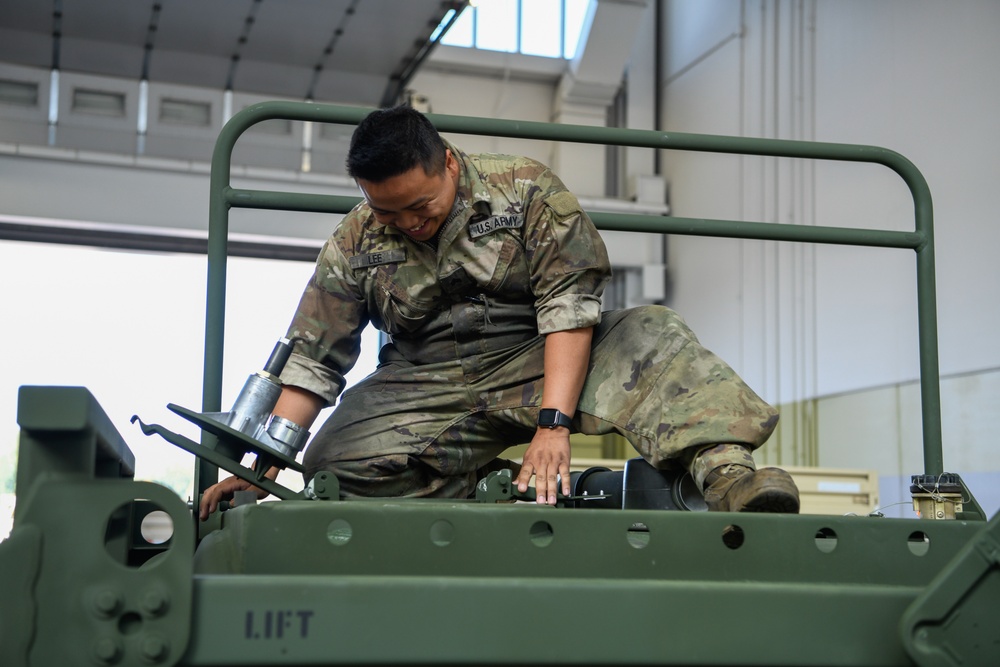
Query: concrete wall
{"type": "Point", "coordinates": [804, 323]}
{"type": "Point", "coordinates": [499, 95]}
{"type": "Point", "coordinates": [173, 195]}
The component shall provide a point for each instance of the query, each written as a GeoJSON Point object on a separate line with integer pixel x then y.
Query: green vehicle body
{"type": "Point", "coordinates": [312, 580]}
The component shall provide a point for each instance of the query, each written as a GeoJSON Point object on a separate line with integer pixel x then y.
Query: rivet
{"type": "Point", "coordinates": [106, 651]}
{"type": "Point", "coordinates": [153, 648]}
{"type": "Point", "coordinates": [106, 602]}
{"type": "Point", "coordinates": [154, 602]}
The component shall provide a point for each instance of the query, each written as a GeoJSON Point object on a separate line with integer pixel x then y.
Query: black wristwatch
{"type": "Point", "coordinates": [551, 418]}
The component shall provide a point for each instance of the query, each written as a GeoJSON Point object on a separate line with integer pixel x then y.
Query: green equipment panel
{"type": "Point", "coordinates": [301, 582]}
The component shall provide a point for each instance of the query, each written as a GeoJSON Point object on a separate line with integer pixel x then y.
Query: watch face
{"type": "Point", "coordinates": [547, 417]}
{"type": "Point", "coordinates": [551, 418]}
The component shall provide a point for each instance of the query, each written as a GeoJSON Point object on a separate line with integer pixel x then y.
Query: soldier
{"type": "Point", "coordinates": [487, 275]}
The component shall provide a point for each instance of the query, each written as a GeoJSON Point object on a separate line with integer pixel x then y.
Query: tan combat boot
{"type": "Point", "coordinates": [736, 488]}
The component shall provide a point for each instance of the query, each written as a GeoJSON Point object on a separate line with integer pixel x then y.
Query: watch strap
{"type": "Point", "coordinates": [552, 418]}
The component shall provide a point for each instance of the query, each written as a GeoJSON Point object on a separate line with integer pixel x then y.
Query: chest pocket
{"type": "Point", "coordinates": [399, 311]}
{"type": "Point", "coordinates": [510, 276]}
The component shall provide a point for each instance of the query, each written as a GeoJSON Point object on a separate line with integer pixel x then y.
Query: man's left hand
{"type": "Point", "coordinates": [547, 458]}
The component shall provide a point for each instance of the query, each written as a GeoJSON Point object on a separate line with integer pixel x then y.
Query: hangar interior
{"type": "Point", "coordinates": [108, 114]}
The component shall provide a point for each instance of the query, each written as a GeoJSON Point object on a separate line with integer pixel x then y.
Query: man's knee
{"type": "Point", "coordinates": [394, 476]}
{"type": "Point", "coordinates": [658, 321]}
{"type": "Point", "coordinates": [378, 476]}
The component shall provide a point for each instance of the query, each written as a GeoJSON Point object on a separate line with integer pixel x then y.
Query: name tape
{"type": "Point", "coordinates": [376, 258]}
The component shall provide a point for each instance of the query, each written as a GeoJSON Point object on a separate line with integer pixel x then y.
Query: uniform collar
{"type": "Point", "coordinates": [472, 190]}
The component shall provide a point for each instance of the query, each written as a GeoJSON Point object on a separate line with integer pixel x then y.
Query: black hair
{"type": "Point", "coordinates": [389, 142]}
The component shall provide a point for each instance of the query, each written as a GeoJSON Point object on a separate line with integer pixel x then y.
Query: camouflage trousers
{"type": "Point", "coordinates": [425, 430]}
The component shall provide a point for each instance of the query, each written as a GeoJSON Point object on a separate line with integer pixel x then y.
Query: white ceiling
{"type": "Point", "coordinates": [343, 51]}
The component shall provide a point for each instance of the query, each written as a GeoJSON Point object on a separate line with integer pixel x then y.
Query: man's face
{"type": "Point", "coordinates": [413, 202]}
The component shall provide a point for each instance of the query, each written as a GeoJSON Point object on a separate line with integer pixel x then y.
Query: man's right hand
{"type": "Point", "coordinates": [224, 490]}
{"type": "Point", "coordinates": [300, 406]}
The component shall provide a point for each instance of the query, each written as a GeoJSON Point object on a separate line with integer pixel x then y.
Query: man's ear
{"type": "Point", "coordinates": [450, 163]}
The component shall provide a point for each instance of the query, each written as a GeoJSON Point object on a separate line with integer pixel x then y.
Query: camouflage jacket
{"type": "Point", "coordinates": [517, 257]}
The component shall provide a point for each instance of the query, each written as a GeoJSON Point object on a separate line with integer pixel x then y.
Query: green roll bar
{"type": "Point", "coordinates": [223, 197]}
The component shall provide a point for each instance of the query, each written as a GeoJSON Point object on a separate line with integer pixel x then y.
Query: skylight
{"type": "Point", "coordinates": [547, 28]}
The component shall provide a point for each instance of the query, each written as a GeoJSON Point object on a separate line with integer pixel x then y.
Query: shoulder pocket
{"type": "Point", "coordinates": [563, 203]}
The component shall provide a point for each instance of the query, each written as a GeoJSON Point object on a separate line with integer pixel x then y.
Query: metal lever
{"type": "Point", "coordinates": [498, 487]}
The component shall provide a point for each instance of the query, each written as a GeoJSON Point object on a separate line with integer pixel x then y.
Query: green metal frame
{"type": "Point", "coordinates": [921, 240]}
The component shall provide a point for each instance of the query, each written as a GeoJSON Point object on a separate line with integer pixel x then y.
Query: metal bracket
{"type": "Point", "coordinates": [255, 477]}
{"type": "Point", "coordinates": [77, 588]}
{"type": "Point", "coordinates": [954, 621]}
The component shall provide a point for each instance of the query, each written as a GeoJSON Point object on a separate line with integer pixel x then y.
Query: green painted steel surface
{"type": "Point", "coordinates": [428, 620]}
{"type": "Point", "coordinates": [70, 411]}
{"type": "Point", "coordinates": [955, 619]}
{"type": "Point", "coordinates": [395, 582]}
{"type": "Point", "coordinates": [464, 539]}
{"type": "Point", "coordinates": [79, 588]}
{"type": "Point", "coordinates": [388, 581]}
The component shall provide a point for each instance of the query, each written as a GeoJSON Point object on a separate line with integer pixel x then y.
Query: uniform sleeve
{"type": "Point", "coordinates": [328, 321]}
{"type": "Point", "coordinates": [568, 261]}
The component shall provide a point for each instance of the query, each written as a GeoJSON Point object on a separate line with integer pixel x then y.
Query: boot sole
{"type": "Point", "coordinates": [776, 501]}
{"type": "Point", "coordinates": [774, 493]}
{"type": "Point", "coordinates": [769, 490]}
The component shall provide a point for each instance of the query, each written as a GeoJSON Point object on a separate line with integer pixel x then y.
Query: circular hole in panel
{"type": "Point", "coordinates": [339, 532]}
{"type": "Point", "coordinates": [541, 534]}
{"type": "Point", "coordinates": [638, 535]}
{"type": "Point", "coordinates": [442, 533]}
{"type": "Point", "coordinates": [157, 527]}
{"type": "Point", "coordinates": [129, 623]}
{"type": "Point", "coordinates": [826, 540]}
{"type": "Point", "coordinates": [918, 542]}
{"type": "Point", "coordinates": [733, 536]}
{"type": "Point", "coordinates": [133, 524]}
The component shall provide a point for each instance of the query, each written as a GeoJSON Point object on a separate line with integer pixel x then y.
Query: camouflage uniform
{"type": "Point", "coordinates": [462, 379]}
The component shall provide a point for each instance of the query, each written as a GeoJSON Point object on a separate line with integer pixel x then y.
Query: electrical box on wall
{"type": "Point", "coordinates": [647, 189]}
{"type": "Point", "coordinates": [418, 101]}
